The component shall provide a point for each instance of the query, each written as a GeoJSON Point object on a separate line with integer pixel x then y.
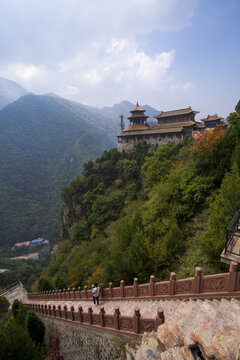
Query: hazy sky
{"type": "Point", "coordinates": [165, 53]}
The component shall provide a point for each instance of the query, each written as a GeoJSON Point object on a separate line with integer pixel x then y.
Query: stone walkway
{"type": "Point", "coordinates": [214, 313]}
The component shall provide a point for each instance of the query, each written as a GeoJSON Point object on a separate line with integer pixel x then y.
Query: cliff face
{"type": "Point", "coordinates": [72, 213]}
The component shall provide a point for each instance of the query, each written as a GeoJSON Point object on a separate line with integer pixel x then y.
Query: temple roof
{"type": "Point", "coordinates": [152, 132]}
{"type": "Point", "coordinates": [200, 125]}
{"type": "Point", "coordinates": [176, 112]}
{"type": "Point", "coordinates": [138, 116]}
{"type": "Point", "coordinates": [136, 127]}
{"type": "Point", "coordinates": [174, 125]}
{"type": "Point", "coordinates": [137, 108]}
{"type": "Point", "coordinates": [212, 118]}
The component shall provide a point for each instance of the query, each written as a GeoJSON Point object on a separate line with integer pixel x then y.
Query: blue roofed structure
{"type": "Point", "coordinates": [37, 241]}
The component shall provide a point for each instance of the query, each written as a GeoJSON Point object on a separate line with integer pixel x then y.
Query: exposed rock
{"type": "Point", "coordinates": [203, 336]}
{"type": "Point", "coordinates": [226, 344]}
{"type": "Point", "coordinates": [150, 347]}
{"type": "Point", "coordinates": [172, 354]}
{"type": "Point", "coordinates": [173, 332]}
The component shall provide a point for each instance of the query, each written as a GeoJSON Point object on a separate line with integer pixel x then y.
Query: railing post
{"type": "Point", "coordinates": [42, 309]}
{"type": "Point", "coordinates": [172, 283]}
{"type": "Point", "coordinates": [101, 291]}
{"type": "Point", "coordinates": [197, 280]}
{"type": "Point", "coordinates": [136, 317]}
{"type": "Point", "coordinates": [69, 295]}
{"type": "Point", "coordinates": [152, 285]}
{"type": "Point", "coordinates": [110, 290]}
{"type": "Point", "coordinates": [54, 310]}
{"type": "Point", "coordinates": [160, 318]}
{"type": "Point", "coordinates": [86, 293]}
{"type": "Point", "coordinates": [80, 311]}
{"type": "Point", "coordinates": [46, 311]}
{"type": "Point", "coordinates": [65, 311]}
{"type": "Point", "coordinates": [64, 294]}
{"type": "Point", "coordinates": [101, 315]}
{"type": "Point", "coordinates": [116, 318]}
{"type": "Point", "coordinates": [59, 311]}
{"type": "Point", "coordinates": [74, 294]}
{"type": "Point", "coordinates": [90, 311]}
{"type": "Point", "coordinates": [135, 287]}
{"type": "Point", "coordinates": [232, 276]}
{"type": "Point", "coordinates": [79, 292]}
{"type": "Point", "coordinates": [122, 288]}
{"type": "Point", "coordinates": [72, 313]}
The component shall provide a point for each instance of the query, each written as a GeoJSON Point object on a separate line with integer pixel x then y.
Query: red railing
{"type": "Point", "coordinates": [227, 284]}
{"type": "Point", "coordinates": [128, 324]}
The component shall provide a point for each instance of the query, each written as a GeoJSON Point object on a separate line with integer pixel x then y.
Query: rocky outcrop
{"type": "Point", "coordinates": [199, 330]}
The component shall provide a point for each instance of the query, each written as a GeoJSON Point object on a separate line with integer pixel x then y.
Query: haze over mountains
{"type": "Point", "coordinates": [44, 142]}
{"type": "Point", "coordinates": [10, 91]}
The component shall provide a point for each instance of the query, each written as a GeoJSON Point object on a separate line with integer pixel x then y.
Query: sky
{"type": "Point", "coordinates": [168, 54]}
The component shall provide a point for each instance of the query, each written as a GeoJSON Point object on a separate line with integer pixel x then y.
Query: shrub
{"type": "Point", "coordinates": [4, 304]}
{"type": "Point", "coordinates": [44, 284]}
{"type": "Point", "coordinates": [35, 327]}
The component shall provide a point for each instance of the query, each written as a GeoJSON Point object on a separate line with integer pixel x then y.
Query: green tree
{"type": "Point", "coordinates": [222, 209]}
{"type": "Point", "coordinates": [19, 312]}
{"type": "Point", "coordinates": [16, 344]}
{"type": "Point", "coordinates": [237, 107]}
{"type": "Point", "coordinates": [35, 327]}
{"type": "Point", "coordinates": [80, 232]}
{"type": "Point", "coordinates": [4, 305]}
{"type": "Point", "coordinates": [122, 125]}
{"type": "Point", "coordinates": [45, 284]}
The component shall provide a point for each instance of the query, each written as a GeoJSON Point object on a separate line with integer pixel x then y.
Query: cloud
{"type": "Point", "coordinates": [182, 87]}
{"type": "Point", "coordinates": [87, 50]}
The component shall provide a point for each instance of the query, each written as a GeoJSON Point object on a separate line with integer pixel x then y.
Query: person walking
{"type": "Point", "coordinates": [95, 292]}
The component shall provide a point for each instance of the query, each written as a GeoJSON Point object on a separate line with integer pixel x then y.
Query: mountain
{"type": "Point", "coordinates": [124, 108]}
{"type": "Point", "coordinates": [44, 142]}
{"type": "Point", "coordinates": [111, 115]}
{"type": "Point", "coordinates": [10, 91]}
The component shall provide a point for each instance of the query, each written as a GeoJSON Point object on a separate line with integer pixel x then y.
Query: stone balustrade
{"type": "Point", "coordinates": [226, 284]}
{"type": "Point", "coordinates": [127, 324]}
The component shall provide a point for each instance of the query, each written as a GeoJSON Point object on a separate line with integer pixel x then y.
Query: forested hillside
{"type": "Point", "coordinates": [151, 211]}
{"type": "Point", "coordinates": [44, 142]}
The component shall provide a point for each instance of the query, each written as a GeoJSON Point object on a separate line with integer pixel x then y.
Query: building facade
{"type": "Point", "coordinates": [172, 126]}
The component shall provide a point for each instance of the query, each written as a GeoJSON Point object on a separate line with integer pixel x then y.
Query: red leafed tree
{"type": "Point", "coordinates": [53, 350]}
{"type": "Point", "coordinates": [203, 147]}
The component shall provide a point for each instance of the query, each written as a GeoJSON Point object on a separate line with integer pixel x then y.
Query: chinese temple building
{"type": "Point", "coordinates": [172, 126]}
{"type": "Point", "coordinates": [212, 121]}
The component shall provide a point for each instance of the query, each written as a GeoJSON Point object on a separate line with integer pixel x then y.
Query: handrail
{"type": "Point", "coordinates": [223, 284]}
{"type": "Point", "coordinates": [134, 324]}
{"type": "Point", "coordinates": [10, 287]}
{"type": "Point", "coordinates": [231, 232]}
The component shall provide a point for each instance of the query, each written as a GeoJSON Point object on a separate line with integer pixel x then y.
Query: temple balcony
{"type": "Point", "coordinates": [232, 245]}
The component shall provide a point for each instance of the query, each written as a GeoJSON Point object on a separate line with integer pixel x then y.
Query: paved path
{"type": "Point", "coordinates": [206, 312]}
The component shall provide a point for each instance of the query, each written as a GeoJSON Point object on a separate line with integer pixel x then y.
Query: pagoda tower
{"type": "Point", "coordinates": [137, 116]}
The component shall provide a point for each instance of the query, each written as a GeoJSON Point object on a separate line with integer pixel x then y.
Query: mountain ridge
{"type": "Point", "coordinates": [43, 146]}
{"type": "Point", "coordinates": [10, 91]}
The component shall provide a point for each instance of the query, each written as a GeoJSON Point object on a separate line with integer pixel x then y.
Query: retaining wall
{"type": "Point", "coordinates": [81, 342]}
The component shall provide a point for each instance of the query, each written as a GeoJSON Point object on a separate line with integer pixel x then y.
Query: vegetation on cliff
{"type": "Point", "coordinates": [140, 213]}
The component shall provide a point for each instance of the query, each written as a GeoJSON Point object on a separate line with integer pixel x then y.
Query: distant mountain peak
{"type": "Point", "coordinates": [10, 91]}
